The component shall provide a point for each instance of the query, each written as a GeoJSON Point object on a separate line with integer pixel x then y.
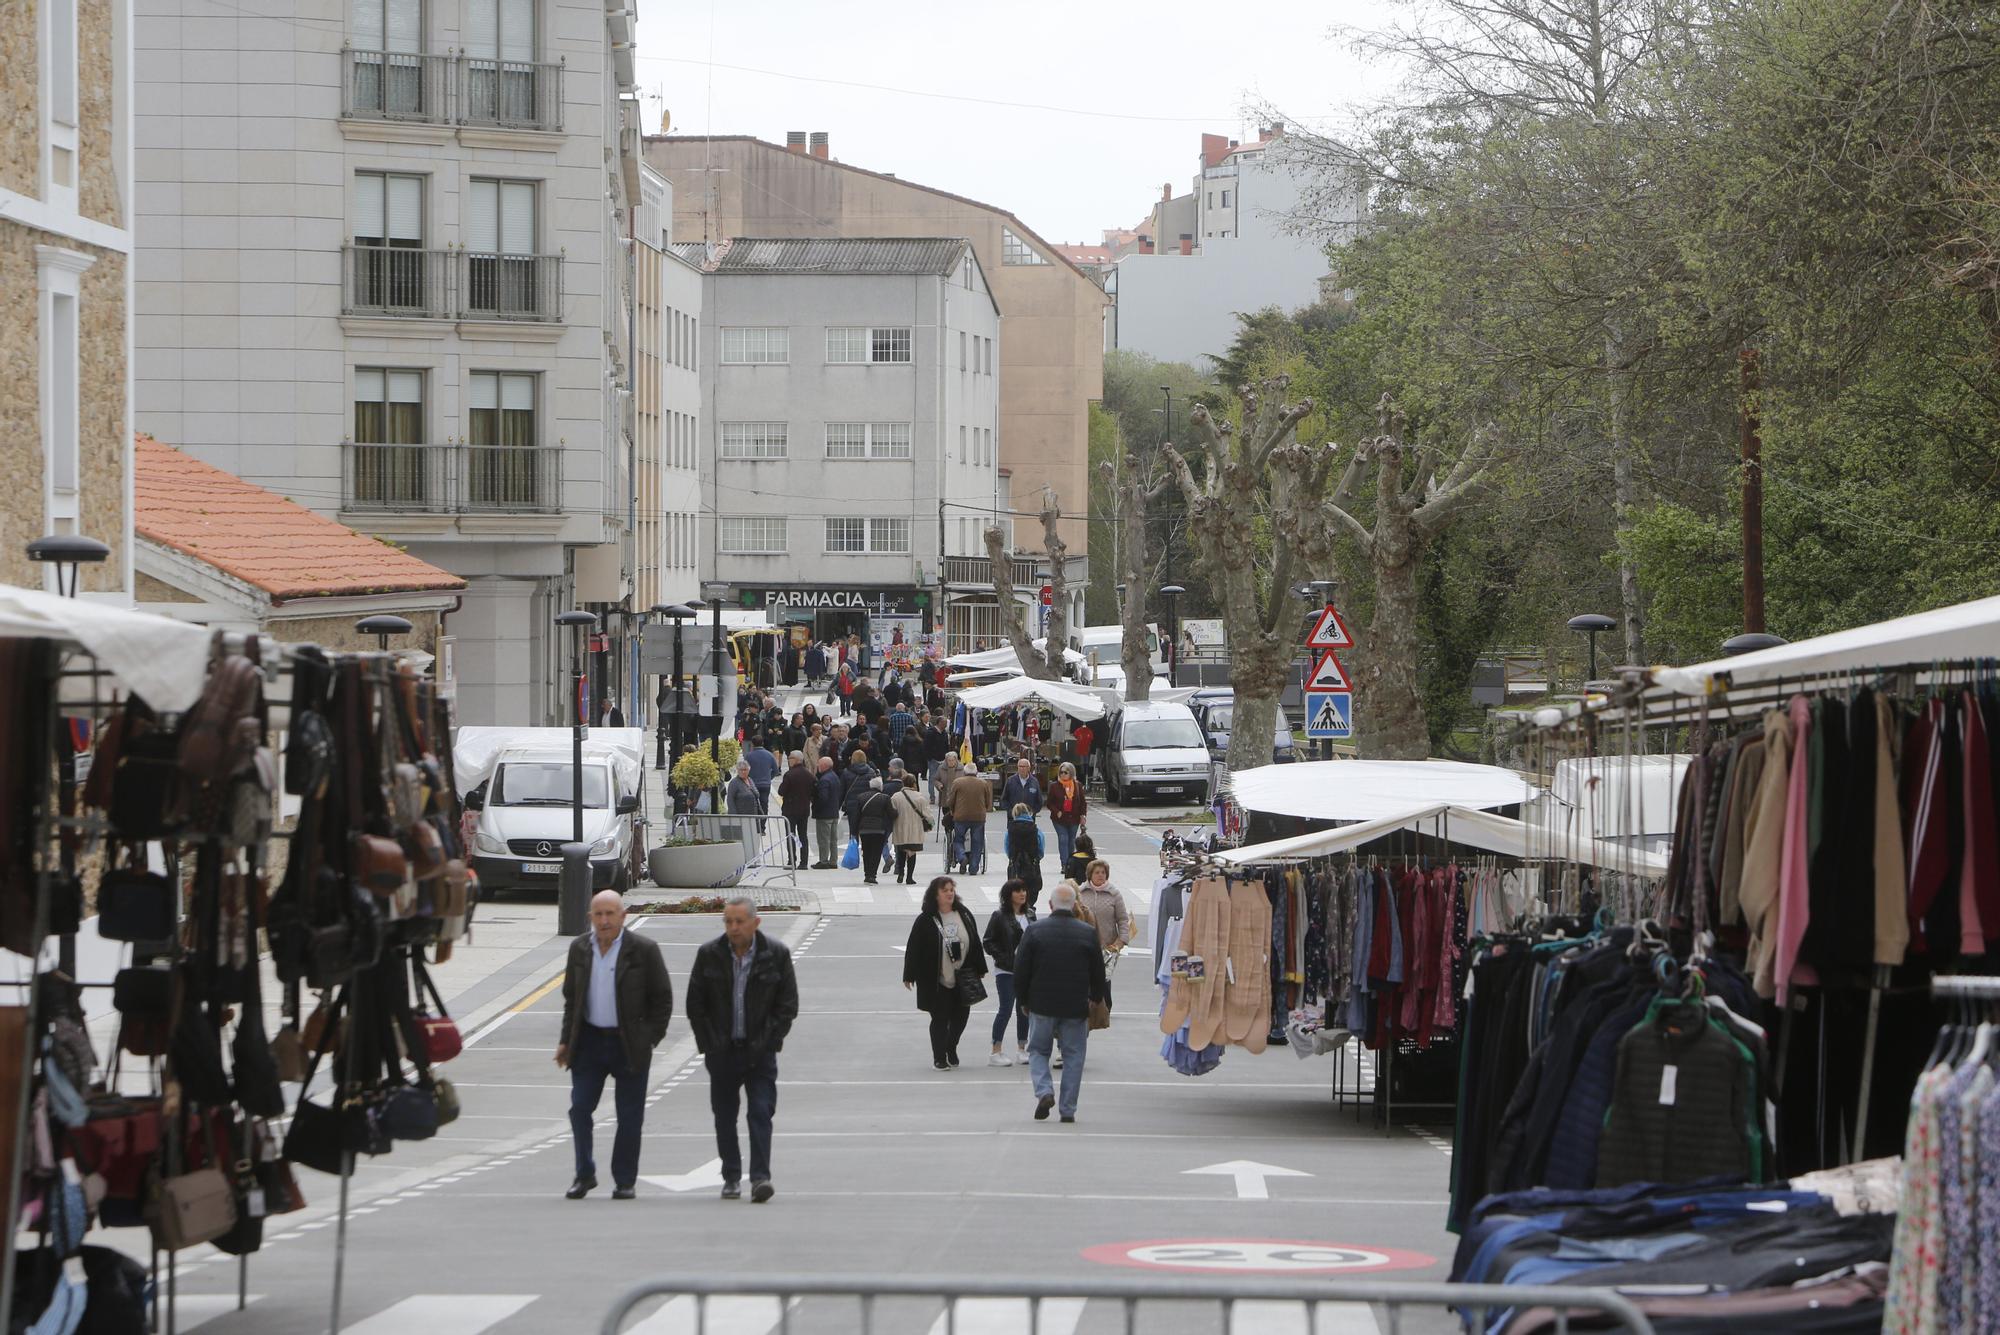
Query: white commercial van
{"type": "Point", "coordinates": [1154, 749]}
{"type": "Point", "coordinates": [521, 783]}
{"type": "Point", "coordinates": [1106, 645]}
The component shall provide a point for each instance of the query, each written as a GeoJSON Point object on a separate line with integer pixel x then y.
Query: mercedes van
{"type": "Point", "coordinates": [1154, 749]}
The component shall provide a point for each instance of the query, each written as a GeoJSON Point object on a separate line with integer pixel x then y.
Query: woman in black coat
{"type": "Point", "coordinates": [943, 952]}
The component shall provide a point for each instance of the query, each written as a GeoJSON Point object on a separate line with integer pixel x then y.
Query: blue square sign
{"type": "Point", "coordinates": [1329, 714]}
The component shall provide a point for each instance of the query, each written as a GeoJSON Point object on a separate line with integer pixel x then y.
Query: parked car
{"type": "Point", "coordinates": [1215, 710]}
{"type": "Point", "coordinates": [524, 792]}
{"type": "Point", "coordinates": [1154, 749]}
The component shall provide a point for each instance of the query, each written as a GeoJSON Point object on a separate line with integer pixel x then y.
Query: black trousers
{"type": "Point", "coordinates": [799, 846]}
{"type": "Point", "coordinates": [948, 1017]}
{"type": "Point", "coordinates": [734, 1072]}
{"type": "Point", "coordinates": [871, 854]}
{"type": "Point", "coordinates": [906, 862]}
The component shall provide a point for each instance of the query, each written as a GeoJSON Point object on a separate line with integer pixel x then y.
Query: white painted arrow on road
{"type": "Point", "coordinates": [708, 1175]}
{"type": "Point", "coordinates": [1249, 1176]}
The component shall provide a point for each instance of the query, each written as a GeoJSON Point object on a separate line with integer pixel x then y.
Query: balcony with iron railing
{"type": "Point", "coordinates": [450, 479]}
{"type": "Point", "coordinates": [979, 570]}
{"type": "Point", "coordinates": [453, 89]}
{"type": "Point", "coordinates": [418, 284]}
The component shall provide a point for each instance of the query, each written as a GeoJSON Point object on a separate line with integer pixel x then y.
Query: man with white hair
{"type": "Point", "coordinates": [1058, 972]}
{"type": "Point", "coordinates": [617, 1002]}
{"type": "Point", "coordinates": [742, 997]}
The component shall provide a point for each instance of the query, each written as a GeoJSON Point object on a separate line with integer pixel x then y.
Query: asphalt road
{"type": "Point", "coordinates": [881, 1164]}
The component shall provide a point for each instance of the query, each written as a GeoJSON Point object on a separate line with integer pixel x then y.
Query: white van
{"type": "Point", "coordinates": [523, 785]}
{"type": "Point", "coordinates": [1107, 644]}
{"type": "Point", "coordinates": [1154, 749]}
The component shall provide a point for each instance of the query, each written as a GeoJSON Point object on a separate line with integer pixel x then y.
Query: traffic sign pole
{"type": "Point", "coordinates": [1329, 697]}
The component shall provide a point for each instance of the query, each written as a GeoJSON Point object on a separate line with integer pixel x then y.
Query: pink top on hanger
{"type": "Point", "coordinates": [1794, 906]}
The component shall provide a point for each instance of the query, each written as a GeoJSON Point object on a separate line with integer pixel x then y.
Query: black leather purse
{"type": "Point", "coordinates": [135, 904]}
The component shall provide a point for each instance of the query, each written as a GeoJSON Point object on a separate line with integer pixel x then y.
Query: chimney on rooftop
{"type": "Point", "coordinates": [1167, 193]}
{"type": "Point", "coordinates": [1233, 143]}
{"type": "Point", "coordinates": [1271, 131]}
{"type": "Point", "coordinates": [819, 147]}
{"type": "Point", "coordinates": [795, 141]}
{"type": "Point", "coordinates": [1145, 245]}
{"type": "Point", "coordinates": [1187, 243]}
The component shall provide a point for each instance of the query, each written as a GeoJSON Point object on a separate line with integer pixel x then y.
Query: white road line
{"type": "Point", "coordinates": [487, 1029]}
{"type": "Point", "coordinates": [725, 1316]}
{"type": "Point", "coordinates": [443, 1314]}
{"type": "Point", "coordinates": [1261, 1317]}
{"type": "Point", "coordinates": [193, 1309]}
{"type": "Point", "coordinates": [1009, 1316]}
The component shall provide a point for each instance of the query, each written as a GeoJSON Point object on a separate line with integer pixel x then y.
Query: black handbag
{"type": "Point", "coordinates": [321, 1138]}
{"type": "Point", "coordinates": [143, 997]}
{"type": "Point", "coordinates": [146, 790]}
{"type": "Point", "coordinates": [410, 1113]}
{"type": "Point", "coordinates": [252, 1064]}
{"type": "Point", "coordinates": [970, 989]}
{"type": "Point", "coordinates": [134, 904]}
{"type": "Point", "coordinates": [119, 1292]}
{"type": "Point", "coordinates": [195, 1054]}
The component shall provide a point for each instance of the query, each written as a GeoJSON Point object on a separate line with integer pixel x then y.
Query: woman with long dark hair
{"type": "Point", "coordinates": [942, 954]}
{"type": "Point", "coordinates": [1002, 938]}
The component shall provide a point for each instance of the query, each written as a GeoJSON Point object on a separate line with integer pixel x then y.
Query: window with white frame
{"type": "Point", "coordinates": [756, 346]}
{"type": "Point", "coordinates": [389, 465]}
{"type": "Point", "coordinates": [867, 440]}
{"type": "Point", "coordinates": [961, 442]}
{"type": "Point", "coordinates": [860, 345]}
{"type": "Point", "coordinates": [962, 339]}
{"type": "Point", "coordinates": [872, 537]}
{"type": "Point", "coordinates": [752, 535]}
{"type": "Point", "coordinates": [889, 345]}
{"type": "Point", "coordinates": [989, 354]}
{"type": "Point", "coordinates": [1013, 250]}
{"type": "Point", "coordinates": [753, 440]}
{"type": "Point", "coordinates": [60, 277]}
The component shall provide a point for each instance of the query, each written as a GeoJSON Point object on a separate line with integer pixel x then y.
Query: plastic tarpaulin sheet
{"type": "Point", "coordinates": [1369, 789]}
{"type": "Point", "coordinates": [474, 750]}
{"type": "Point", "coordinates": [1003, 658]}
{"type": "Point", "coordinates": [1459, 825]}
{"type": "Point", "coordinates": [1064, 700]}
{"type": "Point", "coordinates": [1964, 630]}
{"type": "Point", "coordinates": [164, 660]}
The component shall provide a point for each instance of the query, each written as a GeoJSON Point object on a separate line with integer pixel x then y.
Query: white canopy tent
{"type": "Point", "coordinates": [1063, 699]}
{"type": "Point", "coordinates": [1962, 631]}
{"type": "Point", "coordinates": [1369, 789]}
{"type": "Point", "coordinates": [1003, 658]}
{"type": "Point", "coordinates": [1458, 825]}
{"type": "Point", "coordinates": [163, 660]}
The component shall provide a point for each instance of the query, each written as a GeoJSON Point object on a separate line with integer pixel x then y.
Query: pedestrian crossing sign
{"type": "Point", "coordinates": [1329, 714]}
{"type": "Point", "coordinates": [1329, 632]}
{"type": "Point", "coordinates": [1327, 674]}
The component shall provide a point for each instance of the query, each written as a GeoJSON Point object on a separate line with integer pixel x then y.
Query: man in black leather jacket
{"type": "Point", "coordinates": [742, 997]}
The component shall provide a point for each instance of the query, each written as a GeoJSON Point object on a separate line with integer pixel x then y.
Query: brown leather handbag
{"type": "Point", "coordinates": [425, 847]}
{"type": "Point", "coordinates": [377, 864]}
{"type": "Point", "coordinates": [213, 744]}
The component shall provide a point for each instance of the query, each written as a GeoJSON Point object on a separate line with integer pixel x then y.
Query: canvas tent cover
{"type": "Point", "coordinates": [475, 748]}
{"type": "Point", "coordinates": [164, 660]}
{"type": "Point", "coordinates": [1063, 699]}
{"type": "Point", "coordinates": [1962, 631]}
{"type": "Point", "coordinates": [1369, 789]}
{"type": "Point", "coordinates": [1004, 658]}
{"type": "Point", "coordinates": [1459, 825]}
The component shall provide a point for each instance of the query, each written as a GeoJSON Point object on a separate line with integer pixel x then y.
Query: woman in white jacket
{"type": "Point", "coordinates": [914, 816]}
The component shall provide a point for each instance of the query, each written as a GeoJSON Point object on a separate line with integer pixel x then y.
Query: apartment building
{"type": "Point", "coordinates": [1052, 343]}
{"type": "Point", "coordinates": [851, 408]}
{"type": "Point", "coordinates": [384, 270]}
{"type": "Point", "coordinates": [65, 285]}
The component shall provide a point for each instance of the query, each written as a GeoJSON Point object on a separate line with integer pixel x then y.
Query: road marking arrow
{"type": "Point", "coordinates": [708, 1175]}
{"type": "Point", "coordinates": [1248, 1174]}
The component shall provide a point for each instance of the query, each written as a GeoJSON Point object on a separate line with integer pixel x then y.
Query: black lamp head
{"type": "Point", "coordinates": [1591, 621]}
{"type": "Point", "coordinates": [384, 623]}
{"type": "Point", "coordinates": [575, 618]}
{"type": "Point", "coordinates": [1750, 642]}
{"type": "Point", "coordinates": [68, 549]}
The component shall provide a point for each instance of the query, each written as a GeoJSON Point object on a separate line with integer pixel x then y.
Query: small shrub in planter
{"type": "Point", "coordinates": [695, 772]}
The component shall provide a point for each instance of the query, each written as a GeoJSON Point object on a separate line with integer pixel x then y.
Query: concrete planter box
{"type": "Point", "coordinates": [696, 866]}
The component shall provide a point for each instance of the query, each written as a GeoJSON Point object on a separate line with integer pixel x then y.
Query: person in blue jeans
{"type": "Point", "coordinates": [742, 997]}
{"type": "Point", "coordinates": [1058, 972]}
{"type": "Point", "coordinates": [617, 1003]}
{"type": "Point", "coordinates": [1001, 939]}
{"type": "Point", "coordinates": [968, 801]}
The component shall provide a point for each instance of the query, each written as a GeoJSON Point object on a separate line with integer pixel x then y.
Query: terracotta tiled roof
{"type": "Point", "coordinates": [260, 537]}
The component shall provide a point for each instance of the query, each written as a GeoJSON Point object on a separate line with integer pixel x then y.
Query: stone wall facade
{"type": "Point", "coordinates": [20, 100]}
{"type": "Point", "coordinates": [97, 188]}
{"type": "Point", "coordinates": [337, 634]}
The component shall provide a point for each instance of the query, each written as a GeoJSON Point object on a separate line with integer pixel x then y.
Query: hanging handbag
{"type": "Point", "coordinates": [446, 1095]}
{"type": "Point", "coordinates": [425, 848]}
{"type": "Point", "coordinates": [409, 1112]}
{"type": "Point", "coordinates": [213, 744]}
{"type": "Point", "coordinates": [453, 899]}
{"type": "Point", "coordinates": [196, 1207]}
{"type": "Point", "coordinates": [1100, 1015]}
{"type": "Point", "coordinates": [253, 1064]}
{"type": "Point", "coordinates": [437, 1034]}
{"type": "Point", "coordinates": [135, 904]}
{"type": "Point", "coordinates": [119, 1141]}
{"type": "Point", "coordinates": [309, 755]}
{"type": "Point", "coordinates": [143, 997]}
{"type": "Point", "coordinates": [146, 788]}
{"type": "Point", "coordinates": [288, 1054]}
{"type": "Point", "coordinates": [194, 1054]}
{"type": "Point", "coordinates": [971, 991]}
{"type": "Point", "coordinates": [376, 864]}
{"type": "Point", "coordinates": [322, 1137]}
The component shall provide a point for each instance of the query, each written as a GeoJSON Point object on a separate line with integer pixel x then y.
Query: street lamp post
{"type": "Point", "coordinates": [1591, 624]}
{"type": "Point", "coordinates": [1750, 642]}
{"type": "Point", "coordinates": [578, 622]}
{"type": "Point", "coordinates": [68, 553]}
{"type": "Point", "coordinates": [715, 589]}
{"type": "Point", "coordinates": [670, 695]}
{"type": "Point", "coordinates": [382, 625]}
{"type": "Point", "coordinates": [1173, 592]}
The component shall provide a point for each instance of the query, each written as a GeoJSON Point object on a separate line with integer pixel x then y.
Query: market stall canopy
{"type": "Point", "coordinates": [1367, 789]}
{"type": "Point", "coordinates": [1619, 797]}
{"type": "Point", "coordinates": [1004, 658]}
{"type": "Point", "coordinates": [1458, 825]}
{"type": "Point", "coordinates": [163, 660]}
{"type": "Point", "coordinates": [474, 749]}
{"type": "Point", "coordinates": [1959, 632]}
{"type": "Point", "coordinates": [1063, 699]}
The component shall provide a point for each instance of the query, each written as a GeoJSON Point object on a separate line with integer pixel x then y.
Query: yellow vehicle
{"type": "Point", "coordinates": [758, 652]}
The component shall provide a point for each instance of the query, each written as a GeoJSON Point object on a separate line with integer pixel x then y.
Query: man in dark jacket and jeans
{"type": "Point", "coordinates": [795, 800]}
{"type": "Point", "coordinates": [1058, 972]}
{"type": "Point", "coordinates": [617, 1001]}
{"type": "Point", "coordinates": [827, 794]}
{"type": "Point", "coordinates": [742, 997]}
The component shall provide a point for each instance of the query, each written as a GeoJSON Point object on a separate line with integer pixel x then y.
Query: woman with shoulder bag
{"type": "Point", "coordinates": [1001, 939]}
{"type": "Point", "coordinates": [913, 821]}
{"type": "Point", "coordinates": [943, 962]}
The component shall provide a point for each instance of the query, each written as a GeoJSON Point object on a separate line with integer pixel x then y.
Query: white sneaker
{"type": "Point", "coordinates": [1056, 1061]}
{"type": "Point", "coordinates": [1021, 1057]}
{"type": "Point", "coordinates": [999, 1059]}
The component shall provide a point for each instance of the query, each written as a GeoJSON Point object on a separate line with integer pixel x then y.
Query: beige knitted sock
{"type": "Point", "coordinates": [1211, 942]}
{"type": "Point", "coordinates": [1249, 959]}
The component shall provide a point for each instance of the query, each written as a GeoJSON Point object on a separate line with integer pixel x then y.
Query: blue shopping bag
{"type": "Point", "coordinates": [851, 859]}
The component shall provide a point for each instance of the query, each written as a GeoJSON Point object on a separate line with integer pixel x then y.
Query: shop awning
{"type": "Point", "coordinates": [1368, 789]}
{"type": "Point", "coordinates": [1962, 631]}
{"type": "Point", "coordinates": [1463, 826]}
{"type": "Point", "coordinates": [1063, 699]}
{"type": "Point", "coordinates": [163, 660]}
{"type": "Point", "coordinates": [1003, 658]}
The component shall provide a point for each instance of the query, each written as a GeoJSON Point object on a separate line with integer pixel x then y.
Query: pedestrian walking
{"type": "Point", "coordinates": [970, 798]}
{"type": "Point", "coordinates": [742, 997]}
{"type": "Point", "coordinates": [1024, 852]}
{"type": "Point", "coordinates": [874, 818]}
{"type": "Point", "coordinates": [1001, 939]}
{"type": "Point", "coordinates": [1076, 867]}
{"type": "Point", "coordinates": [943, 962]}
{"type": "Point", "coordinates": [854, 786]}
{"type": "Point", "coordinates": [764, 767]}
{"type": "Point", "coordinates": [1058, 972]}
{"type": "Point", "coordinates": [1067, 807]}
{"type": "Point", "coordinates": [826, 812]}
{"type": "Point", "coordinates": [617, 1003]}
{"type": "Point", "coordinates": [937, 745]}
{"type": "Point", "coordinates": [1023, 788]}
{"type": "Point", "coordinates": [795, 801]}
{"type": "Point", "coordinates": [1107, 910]}
{"type": "Point", "coordinates": [742, 796]}
{"type": "Point", "coordinates": [913, 822]}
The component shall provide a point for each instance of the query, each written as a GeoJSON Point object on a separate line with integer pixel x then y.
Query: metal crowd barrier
{"type": "Point", "coordinates": [765, 840]}
{"type": "Point", "coordinates": [1241, 1306]}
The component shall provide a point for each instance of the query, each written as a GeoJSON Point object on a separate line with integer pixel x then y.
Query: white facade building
{"type": "Point", "coordinates": [1246, 255]}
{"type": "Point", "coordinates": [383, 271]}
{"type": "Point", "coordinates": [850, 393]}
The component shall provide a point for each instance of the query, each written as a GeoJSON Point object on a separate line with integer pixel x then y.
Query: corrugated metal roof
{"type": "Point", "coordinates": [940, 255]}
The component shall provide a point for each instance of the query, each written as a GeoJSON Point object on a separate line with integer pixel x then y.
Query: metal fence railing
{"type": "Point", "coordinates": [513, 94]}
{"type": "Point", "coordinates": [396, 477]}
{"type": "Point", "coordinates": [768, 856]}
{"type": "Point", "coordinates": [451, 89]}
{"type": "Point", "coordinates": [395, 86]}
{"type": "Point", "coordinates": [495, 286]}
{"type": "Point", "coordinates": [1240, 1306]}
{"type": "Point", "coordinates": [450, 479]}
{"type": "Point", "coordinates": [397, 280]}
{"type": "Point", "coordinates": [509, 477]}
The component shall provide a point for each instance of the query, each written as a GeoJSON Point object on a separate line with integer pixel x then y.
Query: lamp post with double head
{"type": "Point", "coordinates": [382, 625]}
{"type": "Point", "coordinates": [673, 700]}
{"type": "Point", "coordinates": [1592, 624]}
{"type": "Point", "coordinates": [579, 623]}
{"type": "Point", "coordinates": [715, 589]}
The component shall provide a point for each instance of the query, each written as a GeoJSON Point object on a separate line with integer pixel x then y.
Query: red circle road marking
{"type": "Point", "coordinates": [1261, 1256]}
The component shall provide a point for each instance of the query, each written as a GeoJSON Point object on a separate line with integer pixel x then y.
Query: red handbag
{"type": "Point", "coordinates": [438, 1033]}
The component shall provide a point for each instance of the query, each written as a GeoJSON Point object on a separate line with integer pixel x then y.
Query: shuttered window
{"type": "Point", "coordinates": [500, 29]}
{"type": "Point", "coordinates": [501, 217]}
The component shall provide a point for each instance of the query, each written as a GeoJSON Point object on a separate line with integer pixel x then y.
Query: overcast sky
{"type": "Point", "coordinates": [1071, 120]}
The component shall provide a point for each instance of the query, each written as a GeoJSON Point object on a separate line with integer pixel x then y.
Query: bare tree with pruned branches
{"type": "Point", "coordinates": [1046, 663]}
